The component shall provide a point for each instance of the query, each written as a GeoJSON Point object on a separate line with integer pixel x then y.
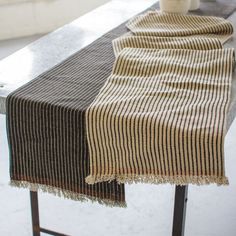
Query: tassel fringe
{"type": "Point", "coordinates": [154, 179]}
{"type": "Point", "coordinates": [65, 193]}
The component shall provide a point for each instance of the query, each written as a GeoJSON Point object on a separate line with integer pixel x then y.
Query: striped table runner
{"type": "Point", "coordinates": [164, 43]}
{"type": "Point", "coordinates": [160, 118]}
{"type": "Point", "coordinates": [46, 126]}
{"type": "Point", "coordinates": [155, 23]}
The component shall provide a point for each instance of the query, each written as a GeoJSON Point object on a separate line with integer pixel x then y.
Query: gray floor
{"type": "Point", "coordinates": [211, 210]}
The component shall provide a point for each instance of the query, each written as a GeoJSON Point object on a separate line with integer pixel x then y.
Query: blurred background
{"type": "Point", "coordinates": [23, 21]}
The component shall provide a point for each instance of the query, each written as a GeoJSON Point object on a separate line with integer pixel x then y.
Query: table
{"type": "Point", "coordinates": [38, 57]}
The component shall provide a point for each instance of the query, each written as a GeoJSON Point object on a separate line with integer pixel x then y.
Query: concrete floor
{"type": "Point", "coordinates": [211, 210]}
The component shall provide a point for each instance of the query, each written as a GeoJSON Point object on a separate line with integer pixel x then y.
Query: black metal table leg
{"type": "Point", "coordinates": [181, 193]}
{"type": "Point", "coordinates": [35, 213]}
{"type": "Point", "coordinates": [180, 205]}
{"type": "Point", "coordinates": [35, 217]}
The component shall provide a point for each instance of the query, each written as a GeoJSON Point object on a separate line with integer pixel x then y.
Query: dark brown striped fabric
{"type": "Point", "coordinates": [130, 41]}
{"type": "Point", "coordinates": [155, 23]}
{"type": "Point", "coordinates": [160, 118]}
{"type": "Point", "coordinates": [46, 126]}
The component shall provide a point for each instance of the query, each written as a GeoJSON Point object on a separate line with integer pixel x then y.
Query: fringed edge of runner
{"type": "Point", "coordinates": [65, 193]}
{"type": "Point", "coordinates": [153, 179]}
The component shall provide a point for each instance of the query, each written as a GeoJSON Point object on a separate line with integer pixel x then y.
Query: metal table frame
{"type": "Point", "coordinates": [178, 226]}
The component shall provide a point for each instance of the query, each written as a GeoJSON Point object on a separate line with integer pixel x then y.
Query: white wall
{"type": "Point", "coordinates": [22, 18]}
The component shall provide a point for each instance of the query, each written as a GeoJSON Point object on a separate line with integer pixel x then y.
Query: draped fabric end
{"type": "Point", "coordinates": [160, 117]}
{"type": "Point", "coordinates": [153, 179]}
{"type": "Point", "coordinates": [66, 194]}
{"type": "Point", "coordinates": [46, 125]}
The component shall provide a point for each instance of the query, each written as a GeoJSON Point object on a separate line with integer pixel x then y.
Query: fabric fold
{"type": "Point", "coordinates": [155, 23]}
{"type": "Point", "coordinates": [129, 41]}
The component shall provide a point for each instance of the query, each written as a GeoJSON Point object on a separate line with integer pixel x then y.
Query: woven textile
{"type": "Point", "coordinates": [46, 126]}
{"type": "Point", "coordinates": [160, 118]}
{"type": "Point", "coordinates": [164, 43]}
{"type": "Point", "coordinates": [154, 23]}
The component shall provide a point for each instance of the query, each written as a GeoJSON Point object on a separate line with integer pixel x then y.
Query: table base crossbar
{"type": "Point", "coordinates": [178, 227]}
{"type": "Point", "coordinates": [35, 218]}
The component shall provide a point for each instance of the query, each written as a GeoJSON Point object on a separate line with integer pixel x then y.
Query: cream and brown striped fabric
{"type": "Point", "coordinates": [160, 118]}
{"type": "Point", "coordinates": [155, 23]}
{"type": "Point", "coordinates": [129, 41]}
